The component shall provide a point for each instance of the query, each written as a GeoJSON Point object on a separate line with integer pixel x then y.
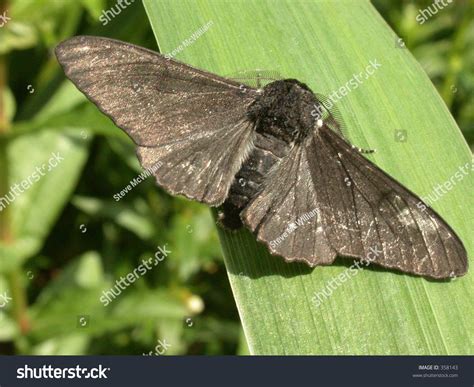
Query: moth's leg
{"type": "Point", "coordinates": [362, 150]}
{"type": "Point", "coordinates": [259, 83]}
{"type": "Point", "coordinates": [338, 127]}
{"type": "Point", "coordinates": [330, 115]}
{"type": "Point", "coordinates": [228, 217]}
{"type": "Point", "coordinates": [335, 126]}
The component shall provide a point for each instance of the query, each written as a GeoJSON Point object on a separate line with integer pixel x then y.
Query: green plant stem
{"type": "Point", "coordinates": [17, 288]}
{"type": "Point", "coordinates": [454, 64]}
{"type": "Point", "coordinates": [4, 215]}
{"type": "Point", "coordinates": [20, 306]}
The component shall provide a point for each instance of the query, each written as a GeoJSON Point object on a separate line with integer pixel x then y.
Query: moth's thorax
{"type": "Point", "coordinates": [284, 110]}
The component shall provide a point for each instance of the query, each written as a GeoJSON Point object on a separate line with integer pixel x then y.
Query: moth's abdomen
{"type": "Point", "coordinates": [249, 180]}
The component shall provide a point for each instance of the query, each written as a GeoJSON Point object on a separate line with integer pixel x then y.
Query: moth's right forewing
{"type": "Point", "coordinates": [368, 215]}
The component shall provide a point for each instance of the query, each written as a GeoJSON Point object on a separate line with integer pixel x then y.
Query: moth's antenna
{"type": "Point", "coordinates": [257, 78]}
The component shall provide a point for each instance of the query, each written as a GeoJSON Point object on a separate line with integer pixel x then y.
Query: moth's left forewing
{"type": "Point", "coordinates": [201, 169]}
{"type": "Point", "coordinates": [368, 215]}
{"type": "Point", "coordinates": [190, 126]}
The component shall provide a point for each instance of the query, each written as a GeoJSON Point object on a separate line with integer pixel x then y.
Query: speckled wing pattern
{"type": "Point", "coordinates": [285, 215]}
{"type": "Point", "coordinates": [359, 212]}
{"type": "Point", "coordinates": [190, 126]}
{"type": "Point", "coordinates": [366, 213]}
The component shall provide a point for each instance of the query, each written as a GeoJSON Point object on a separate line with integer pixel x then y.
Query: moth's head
{"type": "Point", "coordinates": [283, 109]}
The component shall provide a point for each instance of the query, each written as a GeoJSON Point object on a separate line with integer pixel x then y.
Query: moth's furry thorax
{"type": "Point", "coordinates": [284, 110]}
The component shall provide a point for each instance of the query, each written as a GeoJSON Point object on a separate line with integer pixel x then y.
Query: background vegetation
{"type": "Point", "coordinates": [66, 240]}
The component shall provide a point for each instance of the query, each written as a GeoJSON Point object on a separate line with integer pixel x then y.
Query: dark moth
{"type": "Point", "coordinates": [273, 165]}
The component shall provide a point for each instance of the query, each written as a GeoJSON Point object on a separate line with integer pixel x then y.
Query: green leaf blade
{"type": "Point", "coordinates": [324, 43]}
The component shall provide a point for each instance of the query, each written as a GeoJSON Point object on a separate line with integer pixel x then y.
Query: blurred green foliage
{"type": "Point", "coordinates": [66, 239]}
